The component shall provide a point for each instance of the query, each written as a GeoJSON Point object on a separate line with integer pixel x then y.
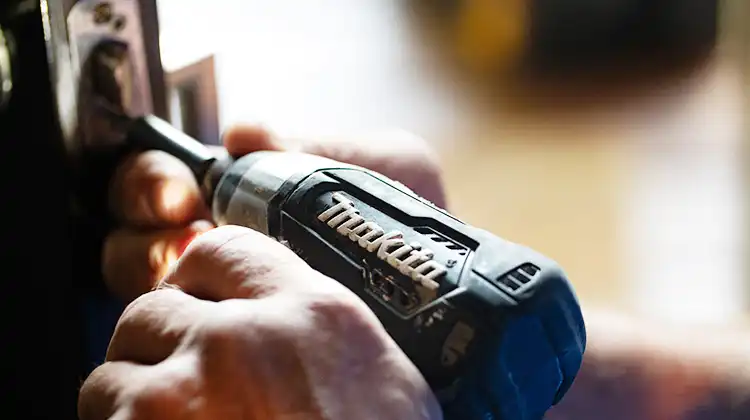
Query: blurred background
{"type": "Point", "coordinates": [609, 135]}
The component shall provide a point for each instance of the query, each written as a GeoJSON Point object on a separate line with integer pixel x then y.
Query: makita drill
{"type": "Point", "coordinates": [494, 327]}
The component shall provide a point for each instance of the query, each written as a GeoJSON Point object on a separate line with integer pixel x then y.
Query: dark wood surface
{"type": "Point", "coordinates": [39, 319]}
{"type": "Point", "coordinates": [51, 258]}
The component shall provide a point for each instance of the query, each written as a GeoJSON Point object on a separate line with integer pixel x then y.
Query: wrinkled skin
{"type": "Point", "coordinates": [239, 327]}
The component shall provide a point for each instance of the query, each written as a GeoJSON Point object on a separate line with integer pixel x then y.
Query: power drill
{"type": "Point", "coordinates": [494, 327]}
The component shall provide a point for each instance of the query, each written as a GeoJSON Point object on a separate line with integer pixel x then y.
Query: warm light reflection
{"type": "Point", "coordinates": [163, 254]}
{"type": "Point", "coordinates": [172, 196]}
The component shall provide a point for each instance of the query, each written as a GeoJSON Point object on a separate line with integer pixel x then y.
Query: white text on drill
{"type": "Point", "coordinates": [390, 247]}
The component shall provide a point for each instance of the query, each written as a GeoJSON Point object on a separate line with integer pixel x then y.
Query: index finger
{"type": "Point", "coordinates": [99, 394]}
{"type": "Point", "coordinates": [240, 140]}
{"type": "Point", "coordinates": [155, 189]}
{"type": "Point", "coordinates": [396, 154]}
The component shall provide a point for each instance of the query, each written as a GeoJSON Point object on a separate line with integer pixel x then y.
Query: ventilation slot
{"type": "Point", "coordinates": [437, 238]}
{"type": "Point", "coordinates": [508, 281]}
{"type": "Point", "coordinates": [529, 269]}
{"type": "Point", "coordinates": [519, 277]}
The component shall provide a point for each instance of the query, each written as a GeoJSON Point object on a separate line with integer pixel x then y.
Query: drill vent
{"type": "Point", "coordinates": [519, 277]}
{"type": "Point", "coordinates": [436, 237]}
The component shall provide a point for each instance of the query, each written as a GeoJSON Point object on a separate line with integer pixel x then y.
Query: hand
{"type": "Point", "coordinates": [296, 344]}
{"type": "Point", "coordinates": [158, 203]}
{"type": "Point", "coordinates": [241, 328]}
{"type": "Point", "coordinates": [635, 368]}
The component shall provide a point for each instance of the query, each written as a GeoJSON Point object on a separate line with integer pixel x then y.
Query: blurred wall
{"type": "Point", "coordinates": [641, 203]}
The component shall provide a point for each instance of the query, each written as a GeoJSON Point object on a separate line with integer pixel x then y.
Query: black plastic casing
{"type": "Point", "coordinates": [455, 339]}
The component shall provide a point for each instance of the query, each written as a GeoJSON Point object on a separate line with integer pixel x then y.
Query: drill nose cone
{"type": "Point", "coordinates": [530, 364]}
{"type": "Point", "coordinates": [517, 378]}
{"type": "Point", "coordinates": [533, 375]}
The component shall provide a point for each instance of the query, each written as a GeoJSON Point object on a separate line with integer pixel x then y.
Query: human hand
{"type": "Point", "coordinates": [158, 203]}
{"type": "Point", "coordinates": [241, 328]}
{"type": "Point", "coordinates": [637, 368]}
{"type": "Point", "coordinates": [257, 356]}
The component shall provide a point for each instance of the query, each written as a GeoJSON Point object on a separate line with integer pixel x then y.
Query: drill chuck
{"type": "Point", "coordinates": [246, 190]}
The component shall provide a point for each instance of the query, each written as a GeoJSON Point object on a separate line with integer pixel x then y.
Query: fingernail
{"type": "Point", "coordinates": [173, 194]}
{"type": "Point", "coordinates": [172, 200]}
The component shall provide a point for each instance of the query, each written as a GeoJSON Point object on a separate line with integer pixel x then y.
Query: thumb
{"type": "Point", "coordinates": [243, 139]}
{"type": "Point", "coordinates": [397, 154]}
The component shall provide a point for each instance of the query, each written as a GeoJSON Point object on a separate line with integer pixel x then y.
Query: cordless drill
{"type": "Point", "coordinates": [494, 327]}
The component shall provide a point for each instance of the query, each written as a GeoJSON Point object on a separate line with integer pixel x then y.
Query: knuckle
{"type": "Point", "coordinates": [166, 400]}
{"type": "Point", "coordinates": [223, 337]}
{"type": "Point", "coordinates": [134, 318]}
{"type": "Point", "coordinates": [206, 245]}
{"type": "Point", "coordinates": [90, 398]}
{"type": "Point", "coordinates": [227, 341]}
{"type": "Point", "coordinates": [149, 403]}
{"type": "Point", "coordinates": [172, 391]}
{"type": "Point", "coordinates": [133, 314]}
{"type": "Point", "coordinates": [226, 241]}
{"type": "Point", "coordinates": [230, 249]}
{"type": "Point", "coordinates": [231, 319]}
{"type": "Point", "coordinates": [339, 310]}
{"type": "Point", "coordinates": [347, 325]}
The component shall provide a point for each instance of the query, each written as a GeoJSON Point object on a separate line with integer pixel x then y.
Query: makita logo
{"type": "Point", "coordinates": [409, 259]}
